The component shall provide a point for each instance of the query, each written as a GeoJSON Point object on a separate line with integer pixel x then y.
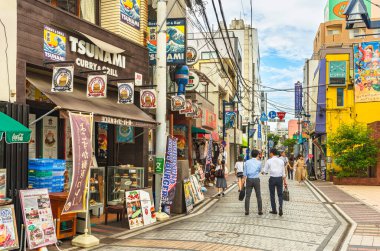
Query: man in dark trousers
{"type": "Point", "coordinates": [276, 167]}
{"type": "Point", "coordinates": [252, 169]}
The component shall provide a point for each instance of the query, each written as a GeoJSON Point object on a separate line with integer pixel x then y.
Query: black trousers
{"type": "Point", "coordinates": [250, 184]}
{"type": "Point", "coordinates": [275, 183]}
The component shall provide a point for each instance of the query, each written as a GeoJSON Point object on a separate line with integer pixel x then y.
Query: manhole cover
{"type": "Point", "coordinates": [222, 234]}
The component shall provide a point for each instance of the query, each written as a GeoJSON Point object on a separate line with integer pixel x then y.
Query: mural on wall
{"type": "Point", "coordinates": [130, 12]}
{"type": "Point", "coordinates": [367, 72]}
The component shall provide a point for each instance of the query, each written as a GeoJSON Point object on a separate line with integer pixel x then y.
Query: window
{"type": "Point", "coordinates": [71, 6]}
{"type": "Point", "coordinates": [85, 9]}
{"type": "Point", "coordinates": [340, 97]}
{"type": "Point", "coordinates": [334, 30]}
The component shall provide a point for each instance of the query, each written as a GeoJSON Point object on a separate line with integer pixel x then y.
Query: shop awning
{"type": "Point", "coordinates": [14, 131]}
{"type": "Point", "coordinates": [105, 110]}
{"type": "Point", "coordinates": [195, 130]}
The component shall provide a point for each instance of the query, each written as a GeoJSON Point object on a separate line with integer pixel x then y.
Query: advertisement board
{"type": "Point", "coordinates": [8, 229]}
{"type": "Point", "coordinates": [130, 12]}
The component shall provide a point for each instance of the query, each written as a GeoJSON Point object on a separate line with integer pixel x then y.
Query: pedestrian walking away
{"type": "Point", "coordinates": [276, 168]}
{"type": "Point", "coordinates": [252, 169]}
{"type": "Point", "coordinates": [286, 161]}
{"type": "Point", "coordinates": [239, 167]}
{"type": "Point", "coordinates": [290, 167]}
{"type": "Point", "coordinates": [221, 173]}
{"type": "Point", "coordinates": [300, 169]}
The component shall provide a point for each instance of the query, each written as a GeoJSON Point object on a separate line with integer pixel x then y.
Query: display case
{"type": "Point", "coordinates": [97, 189]}
{"type": "Point", "coordinates": [120, 179]}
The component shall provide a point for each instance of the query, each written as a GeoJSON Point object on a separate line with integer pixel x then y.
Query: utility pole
{"type": "Point", "coordinates": [160, 79]}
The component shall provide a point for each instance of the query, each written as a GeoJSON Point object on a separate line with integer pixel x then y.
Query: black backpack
{"type": "Point", "coordinates": [220, 173]}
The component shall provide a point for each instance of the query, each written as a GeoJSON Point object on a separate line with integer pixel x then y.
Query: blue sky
{"type": "Point", "coordinates": [286, 31]}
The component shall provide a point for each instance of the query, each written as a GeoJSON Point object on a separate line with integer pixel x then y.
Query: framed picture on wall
{"type": "Point", "coordinates": [125, 134]}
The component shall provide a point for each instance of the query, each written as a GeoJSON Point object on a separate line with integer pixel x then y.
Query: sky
{"type": "Point", "coordinates": [286, 31]}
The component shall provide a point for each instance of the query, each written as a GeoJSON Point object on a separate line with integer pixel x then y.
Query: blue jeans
{"type": "Point", "coordinates": [275, 183]}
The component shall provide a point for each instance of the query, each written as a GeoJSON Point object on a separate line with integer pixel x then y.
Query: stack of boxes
{"type": "Point", "coordinates": [47, 173]}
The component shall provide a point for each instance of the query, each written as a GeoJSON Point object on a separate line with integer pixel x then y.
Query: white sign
{"type": "Point", "coordinates": [63, 79]}
{"type": "Point", "coordinates": [97, 86]}
{"type": "Point", "coordinates": [138, 79]}
{"type": "Point", "coordinates": [148, 99]}
{"type": "Point", "coordinates": [193, 81]}
{"type": "Point", "coordinates": [125, 93]}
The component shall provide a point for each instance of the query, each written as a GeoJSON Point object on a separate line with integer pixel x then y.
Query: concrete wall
{"type": "Point", "coordinates": [8, 16]}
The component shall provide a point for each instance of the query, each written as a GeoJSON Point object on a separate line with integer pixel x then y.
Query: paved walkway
{"type": "Point", "coordinates": [307, 224]}
{"type": "Point", "coordinates": [367, 233]}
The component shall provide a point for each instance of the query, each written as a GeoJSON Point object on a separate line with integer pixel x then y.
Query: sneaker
{"type": "Point", "coordinates": [246, 213]}
{"type": "Point", "coordinates": [260, 213]}
{"type": "Point", "coordinates": [280, 213]}
{"type": "Point", "coordinates": [273, 212]}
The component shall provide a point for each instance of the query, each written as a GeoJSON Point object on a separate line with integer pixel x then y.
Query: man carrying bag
{"type": "Point", "coordinates": [252, 169]}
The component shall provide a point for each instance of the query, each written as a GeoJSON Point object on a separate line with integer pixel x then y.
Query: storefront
{"type": "Point", "coordinates": [123, 134]}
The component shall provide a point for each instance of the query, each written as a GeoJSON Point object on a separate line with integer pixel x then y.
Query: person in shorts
{"type": "Point", "coordinates": [239, 169]}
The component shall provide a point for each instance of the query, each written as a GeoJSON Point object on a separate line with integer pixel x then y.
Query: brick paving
{"type": "Point", "coordinates": [307, 224]}
{"type": "Point", "coordinates": [367, 232]}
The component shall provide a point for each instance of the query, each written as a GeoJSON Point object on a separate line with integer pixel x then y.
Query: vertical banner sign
{"type": "Point", "coordinates": [251, 132]}
{"type": "Point", "coordinates": [298, 99]}
{"type": "Point", "coordinates": [148, 99]}
{"type": "Point", "coordinates": [62, 79]}
{"type": "Point", "coordinates": [81, 129]}
{"type": "Point", "coordinates": [54, 44]}
{"type": "Point", "coordinates": [169, 180]}
{"type": "Point", "coordinates": [125, 93]}
{"type": "Point", "coordinates": [209, 156]}
{"type": "Point", "coordinates": [367, 72]}
{"type": "Point", "coordinates": [97, 86]}
{"type": "Point", "coordinates": [130, 12]}
{"type": "Point", "coordinates": [259, 132]}
{"type": "Point", "coordinates": [178, 103]}
{"type": "Point", "coordinates": [176, 34]}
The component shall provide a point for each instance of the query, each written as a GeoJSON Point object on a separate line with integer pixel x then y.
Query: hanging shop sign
{"type": "Point", "coordinates": [81, 129]}
{"type": "Point", "coordinates": [134, 212]}
{"type": "Point", "coordinates": [188, 107]}
{"type": "Point", "coordinates": [97, 86]}
{"type": "Point", "coordinates": [63, 79]}
{"type": "Point", "coordinates": [281, 115]}
{"type": "Point", "coordinates": [208, 119]}
{"type": "Point", "coordinates": [38, 218]}
{"type": "Point", "coordinates": [54, 44]}
{"type": "Point", "coordinates": [198, 114]}
{"type": "Point", "coordinates": [176, 41]}
{"type": "Point", "coordinates": [8, 229]}
{"type": "Point", "coordinates": [367, 72]}
{"type": "Point", "coordinates": [130, 12]}
{"type": "Point", "coordinates": [194, 110]}
{"type": "Point", "coordinates": [178, 103]}
{"type": "Point", "coordinates": [272, 114]}
{"type": "Point", "coordinates": [125, 134]}
{"type": "Point", "coordinates": [191, 55]}
{"type": "Point", "coordinates": [50, 137]}
{"type": "Point", "coordinates": [193, 81]}
{"type": "Point", "coordinates": [138, 79]}
{"type": "Point", "coordinates": [125, 93]}
{"type": "Point", "coordinates": [169, 180]}
{"type": "Point", "coordinates": [259, 132]}
{"type": "Point", "coordinates": [148, 99]}
{"type": "Point", "coordinates": [230, 118]}
{"type": "Point", "coordinates": [298, 99]}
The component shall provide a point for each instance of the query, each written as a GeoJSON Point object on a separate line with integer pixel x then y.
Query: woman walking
{"type": "Point", "coordinates": [221, 173]}
{"type": "Point", "coordinates": [300, 169]}
{"type": "Point", "coordinates": [290, 167]}
{"type": "Point", "coordinates": [239, 169]}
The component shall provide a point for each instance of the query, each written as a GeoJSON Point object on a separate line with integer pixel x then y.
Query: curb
{"type": "Point", "coordinates": [344, 240]}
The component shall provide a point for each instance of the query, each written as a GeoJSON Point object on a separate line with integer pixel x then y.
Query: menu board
{"type": "Point", "coordinates": [50, 137]}
{"type": "Point", "coordinates": [134, 211]}
{"type": "Point", "coordinates": [147, 207]}
{"type": "Point", "coordinates": [8, 229]}
{"type": "Point", "coordinates": [38, 218]}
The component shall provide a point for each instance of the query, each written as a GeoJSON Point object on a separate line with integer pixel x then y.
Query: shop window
{"type": "Point", "coordinates": [340, 97]}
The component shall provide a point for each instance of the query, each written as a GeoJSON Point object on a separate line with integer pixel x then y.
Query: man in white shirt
{"type": "Point", "coordinates": [276, 167]}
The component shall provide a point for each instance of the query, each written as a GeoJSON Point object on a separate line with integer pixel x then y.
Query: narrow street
{"type": "Point", "coordinates": [307, 224]}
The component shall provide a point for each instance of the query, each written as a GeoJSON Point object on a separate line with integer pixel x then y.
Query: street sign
{"type": "Point", "coordinates": [264, 117]}
{"type": "Point", "coordinates": [281, 115]}
{"type": "Point", "coordinates": [271, 143]}
{"type": "Point", "coordinates": [272, 114]}
{"type": "Point", "coordinates": [160, 165]}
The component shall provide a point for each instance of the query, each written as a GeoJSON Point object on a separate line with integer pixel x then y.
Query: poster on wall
{"type": "Point", "coordinates": [81, 129]}
{"type": "Point", "coordinates": [138, 79]}
{"type": "Point", "coordinates": [32, 143]}
{"type": "Point", "coordinates": [68, 141]}
{"type": "Point", "coordinates": [63, 79]}
{"type": "Point", "coordinates": [97, 86]}
{"type": "Point", "coordinates": [130, 12]}
{"type": "Point", "coordinates": [38, 217]}
{"type": "Point", "coordinates": [180, 132]}
{"type": "Point", "coordinates": [54, 44]}
{"type": "Point", "coordinates": [50, 137]}
{"type": "Point", "coordinates": [8, 229]}
{"type": "Point", "coordinates": [188, 198]}
{"type": "Point", "coordinates": [188, 107]}
{"type": "Point", "coordinates": [148, 99]}
{"type": "Point", "coordinates": [3, 183]}
{"type": "Point", "coordinates": [134, 212]}
{"type": "Point", "coordinates": [367, 72]}
{"type": "Point", "coordinates": [178, 103]}
{"type": "Point", "coordinates": [102, 140]}
{"type": "Point", "coordinates": [125, 134]}
{"type": "Point", "coordinates": [169, 180]}
{"type": "Point", "coordinates": [176, 42]}
{"type": "Point", "coordinates": [230, 119]}
{"type": "Point", "coordinates": [147, 207]}
{"type": "Point", "coordinates": [125, 93]}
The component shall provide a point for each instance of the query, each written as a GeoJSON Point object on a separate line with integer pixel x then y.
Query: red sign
{"type": "Point", "coordinates": [208, 119]}
{"type": "Point", "coordinates": [281, 115]}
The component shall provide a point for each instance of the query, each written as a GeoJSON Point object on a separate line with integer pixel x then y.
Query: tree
{"type": "Point", "coordinates": [353, 149]}
{"type": "Point", "coordinates": [275, 138]}
{"type": "Point", "coordinates": [290, 143]}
